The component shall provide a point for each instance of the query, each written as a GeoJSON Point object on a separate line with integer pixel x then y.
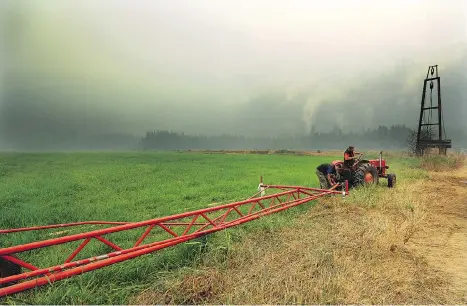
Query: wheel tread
{"type": "Point", "coordinates": [360, 173]}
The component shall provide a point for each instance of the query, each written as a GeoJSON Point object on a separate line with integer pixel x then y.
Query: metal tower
{"type": "Point", "coordinates": [426, 134]}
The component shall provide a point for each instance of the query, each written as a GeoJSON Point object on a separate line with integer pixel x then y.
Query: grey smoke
{"type": "Point", "coordinates": [238, 67]}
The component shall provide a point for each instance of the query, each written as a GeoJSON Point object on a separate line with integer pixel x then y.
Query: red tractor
{"type": "Point", "coordinates": [364, 172]}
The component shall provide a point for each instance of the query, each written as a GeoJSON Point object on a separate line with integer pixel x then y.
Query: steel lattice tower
{"type": "Point", "coordinates": [426, 134]}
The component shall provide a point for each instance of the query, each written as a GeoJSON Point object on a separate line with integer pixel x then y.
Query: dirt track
{"type": "Point", "coordinates": [444, 241]}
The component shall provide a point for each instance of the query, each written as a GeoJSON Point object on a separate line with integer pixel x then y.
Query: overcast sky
{"type": "Point", "coordinates": [213, 66]}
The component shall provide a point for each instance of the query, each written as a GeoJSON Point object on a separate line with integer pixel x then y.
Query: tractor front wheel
{"type": "Point", "coordinates": [391, 180]}
{"type": "Point", "coordinates": [366, 174]}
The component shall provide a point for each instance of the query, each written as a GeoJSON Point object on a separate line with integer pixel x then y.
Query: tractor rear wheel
{"type": "Point", "coordinates": [366, 174]}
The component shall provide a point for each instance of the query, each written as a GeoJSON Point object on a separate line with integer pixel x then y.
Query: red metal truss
{"type": "Point", "coordinates": [140, 238]}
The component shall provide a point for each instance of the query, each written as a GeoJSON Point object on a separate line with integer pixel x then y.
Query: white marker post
{"type": "Point", "coordinates": [261, 187]}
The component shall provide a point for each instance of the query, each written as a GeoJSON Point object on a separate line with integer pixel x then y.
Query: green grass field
{"type": "Point", "coordinates": [41, 189]}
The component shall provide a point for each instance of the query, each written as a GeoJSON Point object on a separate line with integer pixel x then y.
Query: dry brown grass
{"type": "Point", "coordinates": [357, 250]}
{"type": "Point", "coordinates": [269, 152]}
{"type": "Point", "coordinates": [337, 153]}
{"type": "Point", "coordinates": [443, 242]}
{"type": "Point", "coordinates": [438, 163]}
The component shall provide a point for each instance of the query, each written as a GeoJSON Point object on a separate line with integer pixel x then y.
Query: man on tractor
{"type": "Point", "coordinates": [326, 174]}
{"type": "Point", "coordinates": [349, 156]}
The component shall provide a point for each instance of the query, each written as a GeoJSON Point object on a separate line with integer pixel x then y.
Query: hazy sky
{"type": "Point", "coordinates": [213, 66]}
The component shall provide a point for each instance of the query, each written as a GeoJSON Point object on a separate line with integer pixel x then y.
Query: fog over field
{"type": "Point", "coordinates": [254, 68]}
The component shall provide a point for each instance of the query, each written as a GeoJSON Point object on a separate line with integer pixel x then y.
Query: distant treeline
{"type": "Point", "coordinates": [387, 138]}
{"type": "Point", "coordinates": [74, 142]}
{"type": "Point", "coordinates": [393, 137]}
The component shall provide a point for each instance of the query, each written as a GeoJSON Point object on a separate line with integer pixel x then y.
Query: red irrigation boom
{"type": "Point", "coordinates": [173, 230]}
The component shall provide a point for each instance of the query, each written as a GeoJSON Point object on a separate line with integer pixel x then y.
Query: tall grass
{"type": "Point", "coordinates": [440, 163]}
{"type": "Point", "coordinates": [40, 189]}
